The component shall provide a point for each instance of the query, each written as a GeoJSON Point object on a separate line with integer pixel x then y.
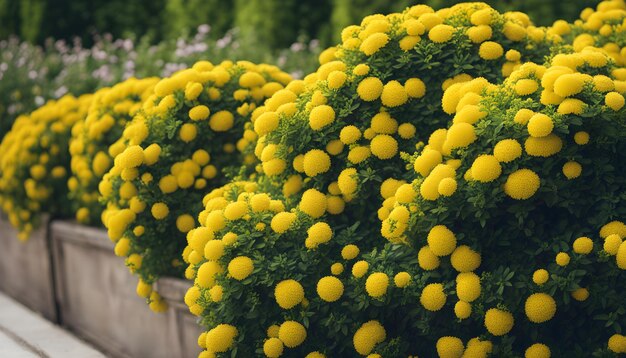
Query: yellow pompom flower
{"type": "Point", "coordinates": [441, 240]}
{"type": "Point", "coordinates": [498, 322]}
{"type": "Point", "coordinates": [617, 343]}
{"type": "Point", "coordinates": [316, 162]}
{"type": "Point", "coordinates": [468, 286]}
{"type": "Point", "coordinates": [384, 146]}
{"type": "Point", "coordinates": [313, 203]}
{"type": "Point", "coordinates": [321, 116]}
{"type": "Point", "coordinates": [273, 348]}
{"type": "Point", "coordinates": [433, 298]}
{"type": "Point", "coordinates": [292, 333]}
{"type": "Point", "coordinates": [537, 350]}
{"type": "Point", "coordinates": [441, 33]}
{"type": "Point", "coordinates": [612, 243]}
{"type": "Point", "coordinates": [447, 186]}
{"type": "Point", "coordinates": [368, 336]}
{"type": "Point", "coordinates": [415, 88]}
{"type": "Point", "coordinates": [581, 138]}
{"type": "Point", "coordinates": [449, 347]}
{"type": "Point", "coordinates": [288, 294]}
{"type": "Point", "coordinates": [526, 86]}
{"type": "Point", "coordinates": [282, 221]}
{"type": "Point", "coordinates": [188, 132]}
{"type": "Point", "coordinates": [540, 276]}
{"type": "Point", "coordinates": [349, 134]}
{"type": "Point", "coordinates": [540, 307]}
{"type": "Point", "coordinates": [569, 84]}
{"type": "Point", "coordinates": [580, 294]}
{"type": "Point", "coordinates": [221, 121]}
{"type": "Point", "coordinates": [507, 150]}
{"type": "Point", "coordinates": [370, 89]}
{"type": "Point", "coordinates": [540, 125]}
{"type": "Point", "coordinates": [402, 279]}
{"type": "Point", "coordinates": [359, 269]}
{"type": "Point", "coordinates": [486, 168]}
{"type": "Point", "coordinates": [350, 252]}
{"type": "Point", "coordinates": [221, 338]}
{"type": "Point", "coordinates": [336, 79]}
{"type": "Point", "coordinates": [480, 33]}
{"type": "Point", "coordinates": [329, 288]}
{"type": "Point", "coordinates": [184, 223]}
{"type": "Point", "coordinates": [544, 146]}
{"type": "Point", "coordinates": [198, 113]}
{"type": "Point", "coordinates": [464, 259]}
{"type": "Point", "coordinates": [583, 245]}
{"type": "Point", "coordinates": [562, 259]}
{"type": "Point", "coordinates": [373, 43]}
{"type": "Point", "coordinates": [426, 259]}
{"type": "Point", "coordinates": [490, 50]}
{"type": "Point", "coordinates": [522, 184]}
{"type": "Point", "coordinates": [462, 309]}
{"type": "Point", "coordinates": [159, 211]}
{"type": "Point", "coordinates": [614, 100]}
{"type": "Point", "coordinates": [393, 94]}
{"type": "Point", "coordinates": [240, 267]}
{"type": "Point", "coordinates": [376, 284]}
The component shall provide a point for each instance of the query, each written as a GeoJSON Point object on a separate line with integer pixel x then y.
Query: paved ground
{"type": "Point", "coordinates": [25, 334]}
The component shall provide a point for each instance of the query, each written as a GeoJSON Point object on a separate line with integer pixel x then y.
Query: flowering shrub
{"type": "Point", "coordinates": [377, 95]}
{"type": "Point", "coordinates": [34, 163]}
{"type": "Point", "coordinates": [517, 215]}
{"type": "Point", "coordinates": [188, 135]}
{"type": "Point", "coordinates": [94, 142]}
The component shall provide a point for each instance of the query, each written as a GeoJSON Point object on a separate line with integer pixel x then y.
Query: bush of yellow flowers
{"type": "Point", "coordinates": [35, 162]}
{"type": "Point", "coordinates": [188, 136]}
{"type": "Point", "coordinates": [94, 142]}
{"type": "Point", "coordinates": [378, 94]}
{"type": "Point", "coordinates": [516, 219]}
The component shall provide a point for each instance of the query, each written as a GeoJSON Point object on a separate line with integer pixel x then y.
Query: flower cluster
{"type": "Point", "coordinates": [189, 134]}
{"type": "Point", "coordinates": [517, 213]}
{"type": "Point", "coordinates": [94, 143]}
{"type": "Point", "coordinates": [35, 162]}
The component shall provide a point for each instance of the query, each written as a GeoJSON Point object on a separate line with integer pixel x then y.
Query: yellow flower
{"type": "Point", "coordinates": [329, 288]}
{"type": "Point", "coordinates": [415, 88]}
{"type": "Point", "coordinates": [402, 279]}
{"type": "Point", "coordinates": [426, 259]}
{"type": "Point", "coordinates": [273, 348]}
{"type": "Point", "coordinates": [376, 284]}
{"type": "Point", "coordinates": [569, 84]}
{"type": "Point", "coordinates": [369, 89]}
{"type": "Point", "coordinates": [313, 203]}
{"type": "Point", "coordinates": [368, 336]}
{"type": "Point", "coordinates": [199, 112]}
{"type": "Point", "coordinates": [433, 298]}
{"type": "Point", "coordinates": [316, 162]}
{"type": "Point", "coordinates": [617, 343]}
{"type": "Point", "coordinates": [206, 274]}
{"type": "Point", "coordinates": [468, 286]}
{"type": "Point", "coordinates": [540, 276]}
{"type": "Point", "coordinates": [282, 221]}
{"type": "Point", "coordinates": [462, 309]}
{"type": "Point", "coordinates": [159, 211]}
{"type": "Point", "coordinates": [544, 146]}
{"type": "Point", "coordinates": [291, 333]}
{"type": "Point", "coordinates": [131, 157]}
{"type": "Point", "coordinates": [289, 293]}
{"type": "Point", "coordinates": [373, 43]}
{"type": "Point", "coordinates": [522, 184]}
{"type": "Point", "coordinates": [459, 135]}
{"type": "Point", "coordinates": [240, 267]}
{"type": "Point", "coordinates": [540, 307]}
{"type": "Point", "coordinates": [221, 121]}
{"type": "Point", "coordinates": [152, 153]}
{"type": "Point", "coordinates": [562, 259]}
{"type": "Point", "coordinates": [336, 79]}
{"type": "Point", "coordinates": [449, 347]}
{"type": "Point", "coordinates": [507, 150]}
{"type": "Point", "coordinates": [447, 186]}
{"type": "Point", "coordinates": [361, 69]}
{"type": "Point", "coordinates": [482, 17]}
{"type": "Point", "coordinates": [526, 86]}
{"type": "Point", "coordinates": [486, 168]}
{"type": "Point", "coordinates": [184, 223]}
{"type": "Point", "coordinates": [614, 100]}
{"type": "Point", "coordinates": [537, 350]}
{"type": "Point", "coordinates": [441, 240]}
{"type": "Point", "coordinates": [122, 247]}
{"type": "Point", "coordinates": [274, 166]}
{"type": "Point", "coordinates": [213, 250]}
{"type": "Point", "coordinates": [540, 125]}
{"type": "Point", "coordinates": [359, 269]}
{"type": "Point", "coordinates": [612, 243]}
{"type": "Point", "coordinates": [349, 252]}
{"type": "Point", "coordinates": [580, 294]}
{"type": "Point", "coordinates": [464, 259]}
{"type": "Point", "coordinates": [490, 50]}
{"type": "Point", "coordinates": [384, 146]}
{"type": "Point", "coordinates": [188, 132]}
{"type": "Point", "coordinates": [441, 33]}
{"type": "Point", "coordinates": [349, 134]}
{"type": "Point", "coordinates": [581, 138]}
{"type": "Point", "coordinates": [220, 339]}
{"type": "Point", "coordinates": [321, 116]}
{"type": "Point", "coordinates": [480, 33]}
{"type": "Point", "coordinates": [498, 322]}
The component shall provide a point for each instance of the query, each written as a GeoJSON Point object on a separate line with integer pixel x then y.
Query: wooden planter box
{"type": "Point", "coordinates": [26, 269]}
{"type": "Point", "coordinates": [97, 299]}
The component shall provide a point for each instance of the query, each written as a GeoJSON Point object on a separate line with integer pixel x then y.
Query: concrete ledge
{"type": "Point", "coordinates": [26, 270]}
{"type": "Point", "coordinates": [26, 334]}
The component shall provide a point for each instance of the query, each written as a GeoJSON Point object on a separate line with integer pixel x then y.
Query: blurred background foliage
{"type": "Point", "coordinates": [49, 48]}
{"type": "Point", "coordinates": [272, 23]}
